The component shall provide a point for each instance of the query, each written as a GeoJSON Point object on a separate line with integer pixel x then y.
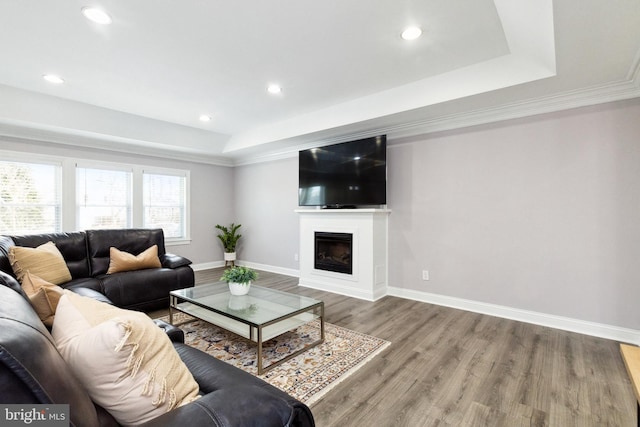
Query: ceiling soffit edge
{"type": "Point", "coordinates": [619, 91]}
{"type": "Point", "coordinates": [25, 133]}
{"type": "Point", "coordinates": [529, 31]}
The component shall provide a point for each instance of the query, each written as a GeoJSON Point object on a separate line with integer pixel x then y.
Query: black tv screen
{"type": "Point", "coordinates": [349, 174]}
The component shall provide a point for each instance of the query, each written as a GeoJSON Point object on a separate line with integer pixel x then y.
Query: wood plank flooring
{"type": "Point", "coordinates": [448, 367]}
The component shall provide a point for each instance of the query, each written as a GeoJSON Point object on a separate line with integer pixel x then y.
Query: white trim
{"type": "Point", "coordinates": [34, 132]}
{"type": "Point", "coordinates": [207, 265]}
{"type": "Point", "coordinates": [176, 241]}
{"type": "Point", "coordinates": [610, 92]}
{"type": "Point", "coordinates": [335, 288]}
{"type": "Point", "coordinates": [601, 330]}
{"type": "Point", "coordinates": [257, 266]}
{"type": "Point", "coordinates": [69, 168]}
{"type": "Point", "coordinates": [270, 268]}
{"type": "Point", "coordinates": [24, 157]}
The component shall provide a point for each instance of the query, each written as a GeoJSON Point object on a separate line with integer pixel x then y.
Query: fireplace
{"type": "Point", "coordinates": [362, 240]}
{"type": "Point", "coordinates": [333, 252]}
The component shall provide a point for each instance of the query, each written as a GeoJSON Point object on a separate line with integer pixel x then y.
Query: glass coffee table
{"type": "Point", "coordinates": [260, 315]}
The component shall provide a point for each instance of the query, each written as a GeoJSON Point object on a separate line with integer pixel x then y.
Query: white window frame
{"type": "Point", "coordinates": [17, 157]}
{"type": "Point", "coordinates": [67, 185]}
{"type": "Point", "coordinates": [187, 200]}
{"type": "Point", "coordinates": [137, 203]}
{"type": "Point", "coordinates": [114, 167]}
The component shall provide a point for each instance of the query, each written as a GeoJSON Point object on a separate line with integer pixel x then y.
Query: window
{"type": "Point", "coordinates": [49, 194]}
{"type": "Point", "coordinates": [30, 198]}
{"type": "Point", "coordinates": [103, 198]}
{"type": "Point", "coordinates": [164, 203]}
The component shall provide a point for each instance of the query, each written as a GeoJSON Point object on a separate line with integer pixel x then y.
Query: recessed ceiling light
{"type": "Point", "coordinates": [96, 15]}
{"type": "Point", "coordinates": [205, 118]}
{"type": "Point", "coordinates": [274, 88]}
{"type": "Point", "coordinates": [411, 33]}
{"type": "Point", "coordinates": [52, 78]}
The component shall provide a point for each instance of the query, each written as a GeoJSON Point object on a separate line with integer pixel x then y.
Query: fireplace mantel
{"type": "Point", "coordinates": [370, 251]}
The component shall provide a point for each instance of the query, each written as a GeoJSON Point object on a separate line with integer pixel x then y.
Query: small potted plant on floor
{"type": "Point", "coordinates": [239, 279]}
{"type": "Point", "coordinates": [229, 238]}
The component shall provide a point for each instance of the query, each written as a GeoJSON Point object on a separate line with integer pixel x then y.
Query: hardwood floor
{"type": "Point", "coordinates": [448, 367]}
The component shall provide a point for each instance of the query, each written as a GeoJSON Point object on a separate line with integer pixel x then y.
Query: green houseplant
{"type": "Point", "coordinates": [229, 237]}
{"type": "Point", "coordinates": [239, 279]}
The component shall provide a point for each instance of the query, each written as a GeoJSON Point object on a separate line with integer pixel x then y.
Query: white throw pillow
{"type": "Point", "coordinates": [125, 361]}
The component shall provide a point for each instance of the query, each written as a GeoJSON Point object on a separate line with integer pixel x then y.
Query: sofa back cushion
{"type": "Point", "coordinates": [31, 368]}
{"type": "Point", "coordinates": [71, 245]}
{"type": "Point", "coordinates": [133, 241]}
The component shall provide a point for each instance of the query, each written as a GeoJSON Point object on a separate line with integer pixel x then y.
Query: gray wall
{"type": "Point", "coordinates": [538, 214]}
{"type": "Point", "coordinates": [266, 197]}
{"type": "Point", "coordinates": [211, 192]}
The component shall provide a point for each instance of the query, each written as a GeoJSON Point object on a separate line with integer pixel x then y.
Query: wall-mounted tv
{"type": "Point", "coordinates": [345, 175]}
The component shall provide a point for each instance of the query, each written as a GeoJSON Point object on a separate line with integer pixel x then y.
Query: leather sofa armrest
{"type": "Point", "coordinates": [88, 292]}
{"type": "Point", "coordinates": [175, 334]}
{"type": "Point", "coordinates": [174, 261]}
{"type": "Point", "coordinates": [238, 406]}
{"type": "Point", "coordinates": [10, 282]}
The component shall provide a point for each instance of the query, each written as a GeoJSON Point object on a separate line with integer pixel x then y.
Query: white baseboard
{"type": "Point", "coordinates": [207, 265]}
{"type": "Point", "coordinates": [339, 289]}
{"type": "Point", "coordinates": [615, 333]}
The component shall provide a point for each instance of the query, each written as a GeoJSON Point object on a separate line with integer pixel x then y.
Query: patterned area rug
{"type": "Point", "coordinates": [307, 376]}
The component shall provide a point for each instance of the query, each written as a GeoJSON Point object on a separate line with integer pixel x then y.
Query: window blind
{"type": "Point", "coordinates": [30, 198]}
{"type": "Point", "coordinates": [164, 203]}
{"type": "Point", "coordinates": [103, 198]}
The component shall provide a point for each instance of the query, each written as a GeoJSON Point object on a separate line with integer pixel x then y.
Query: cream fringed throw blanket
{"type": "Point", "coordinates": [127, 364]}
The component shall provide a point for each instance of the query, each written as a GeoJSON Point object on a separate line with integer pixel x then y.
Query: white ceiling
{"type": "Point", "coordinates": [140, 84]}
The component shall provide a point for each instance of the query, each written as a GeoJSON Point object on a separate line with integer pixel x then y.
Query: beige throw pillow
{"type": "Point", "coordinates": [44, 297]}
{"type": "Point", "coordinates": [45, 261]}
{"type": "Point", "coordinates": [124, 261]}
{"type": "Point", "coordinates": [127, 363]}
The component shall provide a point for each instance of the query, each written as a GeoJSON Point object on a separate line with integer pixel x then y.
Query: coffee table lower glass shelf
{"type": "Point", "coordinates": [259, 316]}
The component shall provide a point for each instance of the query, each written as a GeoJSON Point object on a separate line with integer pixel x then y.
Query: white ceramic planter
{"type": "Point", "coordinates": [238, 302]}
{"type": "Point", "coordinates": [229, 256]}
{"type": "Point", "coordinates": [239, 288]}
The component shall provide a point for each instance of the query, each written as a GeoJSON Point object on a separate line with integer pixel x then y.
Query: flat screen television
{"type": "Point", "coordinates": [345, 175]}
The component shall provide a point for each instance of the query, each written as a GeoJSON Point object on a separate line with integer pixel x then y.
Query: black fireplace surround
{"type": "Point", "coordinates": [333, 252]}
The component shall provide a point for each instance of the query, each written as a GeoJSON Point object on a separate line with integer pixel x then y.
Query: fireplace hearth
{"type": "Point", "coordinates": [333, 252]}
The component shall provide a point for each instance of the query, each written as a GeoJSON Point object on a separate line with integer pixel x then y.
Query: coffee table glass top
{"type": "Point", "coordinates": [260, 306]}
{"type": "Point", "coordinates": [258, 316]}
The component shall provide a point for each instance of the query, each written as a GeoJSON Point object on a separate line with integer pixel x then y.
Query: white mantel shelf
{"type": "Point", "coordinates": [370, 256]}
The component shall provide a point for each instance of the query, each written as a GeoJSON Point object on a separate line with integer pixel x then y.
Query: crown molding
{"type": "Point", "coordinates": [550, 104]}
{"type": "Point", "coordinates": [618, 91]}
{"type": "Point", "coordinates": [26, 133]}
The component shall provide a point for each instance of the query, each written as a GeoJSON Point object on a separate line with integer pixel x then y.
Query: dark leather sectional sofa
{"type": "Point", "coordinates": [32, 371]}
{"type": "Point", "coordinates": [87, 256]}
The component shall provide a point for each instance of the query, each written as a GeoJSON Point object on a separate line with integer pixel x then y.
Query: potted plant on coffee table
{"type": "Point", "coordinates": [239, 279]}
{"type": "Point", "coordinates": [229, 238]}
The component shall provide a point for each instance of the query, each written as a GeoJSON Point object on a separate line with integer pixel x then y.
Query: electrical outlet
{"type": "Point", "coordinates": [425, 274]}
{"type": "Point", "coordinates": [295, 257]}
